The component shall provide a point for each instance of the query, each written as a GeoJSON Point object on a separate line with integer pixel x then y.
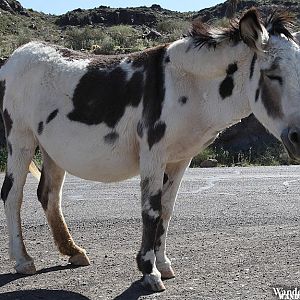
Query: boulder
{"type": "Point", "coordinates": [245, 135]}
{"type": "Point", "coordinates": [209, 163]}
{"type": "Point", "coordinates": [153, 35]}
{"type": "Point", "coordinates": [13, 7]}
{"type": "Point", "coordinates": [156, 7]}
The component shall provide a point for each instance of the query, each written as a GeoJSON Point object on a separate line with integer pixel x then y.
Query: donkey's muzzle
{"type": "Point", "coordinates": [291, 140]}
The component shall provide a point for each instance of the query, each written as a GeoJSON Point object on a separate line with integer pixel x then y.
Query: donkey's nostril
{"type": "Point", "coordinates": [294, 137]}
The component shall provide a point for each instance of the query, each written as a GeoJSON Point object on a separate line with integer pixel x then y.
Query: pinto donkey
{"type": "Point", "coordinates": [107, 118]}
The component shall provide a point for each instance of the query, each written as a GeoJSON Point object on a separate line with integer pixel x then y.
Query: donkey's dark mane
{"type": "Point", "coordinates": [278, 22]}
{"type": "Point", "coordinates": [209, 36]}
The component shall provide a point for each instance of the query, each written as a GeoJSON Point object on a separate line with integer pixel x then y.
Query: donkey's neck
{"type": "Point", "coordinates": [206, 62]}
{"type": "Point", "coordinates": [205, 74]}
{"type": "Point", "coordinates": [195, 78]}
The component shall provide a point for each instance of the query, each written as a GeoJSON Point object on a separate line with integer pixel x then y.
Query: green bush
{"type": "Point", "coordinates": [78, 38]}
{"type": "Point", "coordinates": [172, 30]}
{"type": "Point", "coordinates": [224, 22]}
{"type": "Point", "coordinates": [38, 159]}
{"type": "Point", "coordinates": [171, 26]}
{"type": "Point", "coordinates": [202, 156]}
{"type": "Point", "coordinates": [123, 35]}
{"type": "Point", "coordinates": [107, 46]}
{"type": "Point", "coordinates": [3, 159]}
{"type": "Point", "coordinates": [271, 155]}
{"type": "Point", "coordinates": [115, 39]}
{"type": "Point", "coordinates": [24, 37]}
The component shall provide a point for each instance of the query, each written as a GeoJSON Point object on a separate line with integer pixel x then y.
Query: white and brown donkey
{"type": "Point", "coordinates": [108, 118]}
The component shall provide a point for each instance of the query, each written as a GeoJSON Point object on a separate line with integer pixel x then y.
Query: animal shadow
{"type": "Point", "coordinates": [134, 292]}
{"type": "Point", "coordinates": [9, 277]}
{"type": "Point", "coordinates": [42, 294]}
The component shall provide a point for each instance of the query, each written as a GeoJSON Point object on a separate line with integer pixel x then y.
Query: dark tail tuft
{"type": "Point", "coordinates": [3, 61]}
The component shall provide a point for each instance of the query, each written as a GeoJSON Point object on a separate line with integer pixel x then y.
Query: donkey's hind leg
{"type": "Point", "coordinates": [49, 194]}
{"type": "Point", "coordinates": [21, 146]}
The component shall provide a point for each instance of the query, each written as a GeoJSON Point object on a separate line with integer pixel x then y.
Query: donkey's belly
{"type": "Point", "coordinates": [105, 169]}
{"type": "Point", "coordinates": [88, 157]}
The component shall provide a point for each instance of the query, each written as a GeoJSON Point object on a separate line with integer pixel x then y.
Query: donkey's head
{"type": "Point", "coordinates": [274, 92]}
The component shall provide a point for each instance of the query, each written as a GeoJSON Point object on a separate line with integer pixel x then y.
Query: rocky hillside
{"type": "Point", "coordinates": [124, 30]}
{"type": "Point", "coordinates": [219, 11]}
{"type": "Point", "coordinates": [13, 7]}
{"type": "Point", "coordinates": [150, 16]}
{"type": "Point", "coordinates": [104, 15]}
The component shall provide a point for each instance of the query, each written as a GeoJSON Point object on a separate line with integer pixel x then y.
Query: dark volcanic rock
{"type": "Point", "coordinates": [13, 7]}
{"type": "Point", "coordinates": [219, 11]}
{"type": "Point", "coordinates": [156, 7]}
{"type": "Point", "coordinates": [209, 163]}
{"type": "Point", "coordinates": [153, 34]}
{"type": "Point", "coordinates": [108, 16]}
{"type": "Point", "coordinates": [245, 135]}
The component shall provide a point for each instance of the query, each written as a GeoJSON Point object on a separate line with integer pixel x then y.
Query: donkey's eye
{"type": "Point", "coordinates": [276, 78]}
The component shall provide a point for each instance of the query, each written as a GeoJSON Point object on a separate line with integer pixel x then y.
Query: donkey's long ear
{"type": "Point", "coordinates": [251, 29]}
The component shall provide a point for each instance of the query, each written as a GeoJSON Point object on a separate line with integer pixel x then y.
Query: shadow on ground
{"type": "Point", "coordinates": [9, 277]}
{"type": "Point", "coordinates": [134, 292]}
{"type": "Point", "coordinates": [42, 295]}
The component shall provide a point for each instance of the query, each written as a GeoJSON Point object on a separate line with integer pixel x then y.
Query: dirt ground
{"type": "Point", "coordinates": [234, 235]}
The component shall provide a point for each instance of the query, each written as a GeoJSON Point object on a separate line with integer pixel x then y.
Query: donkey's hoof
{"type": "Point", "coordinates": [79, 259]}
{"type": "Point", "coordinates": [26, 268]}
{"type": "Point", "coordinates": [153, 283]}
{"type": "Point", "coordinates": [167, 273]}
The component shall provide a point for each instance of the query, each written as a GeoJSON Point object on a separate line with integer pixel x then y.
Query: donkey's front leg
{"type": "Point", "coordinates": [152, 172]}
{"type": "Point", "coordinates": [172, 179]}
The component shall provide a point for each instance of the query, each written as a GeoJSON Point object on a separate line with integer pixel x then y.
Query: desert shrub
{"type": "Point", "coordinates": [224, 22]}
{"type": "Point", "coordinates": [38, 159]}
{"type": "Point", "coordinates": [172, 30]}
{"type": "Point", "coordinates": [3, 158]}
{"type": "Point", "coordinates": [271, 155]}
{"type": "Point", "coordinates": [123, 35]}
{"type": "Point", "coordinates": [115, 39]}
{"type": "Point", "coordinates": [171, 37]}
{"type": "Point", "coordinates": [202, 156]}
{"type": "Point", "coordinates": [107, 46]}
{"type": "Point", "coordinates": [171, 26]}
{"type": "Point", "coordinates": [78, 38]}
{"type": "Point", "coordinates": [141, 44]}
{"type": "Point", "coordinates": [22, 38]}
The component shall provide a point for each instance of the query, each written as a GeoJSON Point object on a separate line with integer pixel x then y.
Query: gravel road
{"type": "Point", "coordinates": [234, 235]}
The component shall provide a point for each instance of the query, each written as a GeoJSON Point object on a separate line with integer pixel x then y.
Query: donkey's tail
{"type": "Point", "coordinates": [34, 170]}
{"type": "Point", "coordinates": [2, 63]}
